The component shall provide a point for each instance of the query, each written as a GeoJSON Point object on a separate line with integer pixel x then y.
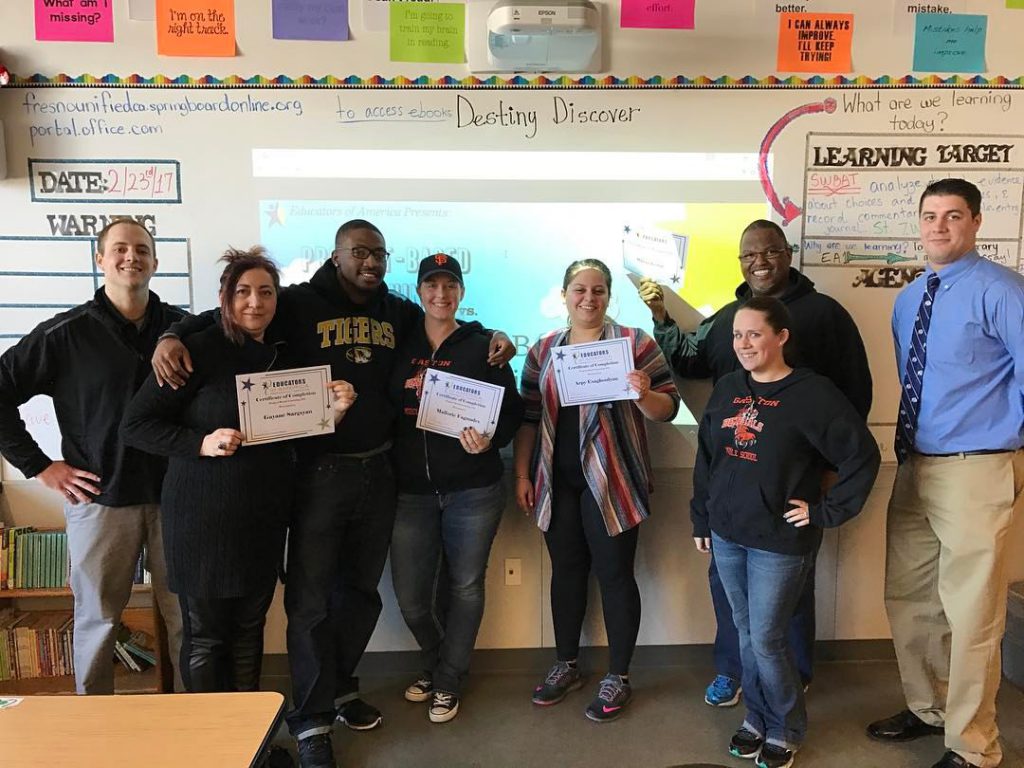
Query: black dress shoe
{"type": "Point", "coordinates": [953, 760]}
{"type": "Point", "coordinates": [905, 726]}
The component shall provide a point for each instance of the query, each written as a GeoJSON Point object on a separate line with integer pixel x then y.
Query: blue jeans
{"type": "Point", "coordinates": [727, 641]}
{"type": "Point", "coordinates": [763, 589]}
{"type": "Point", "coordinates": [439, 551]}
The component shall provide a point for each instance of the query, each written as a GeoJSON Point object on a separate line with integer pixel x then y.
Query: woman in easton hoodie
{"type": "Point", "coordinates": [767, 438]}
{"type": "Point", "coordinates": [450, 491]}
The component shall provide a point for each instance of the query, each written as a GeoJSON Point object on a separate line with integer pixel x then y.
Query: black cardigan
{"type": "Point", "coordinates": [224, 518]}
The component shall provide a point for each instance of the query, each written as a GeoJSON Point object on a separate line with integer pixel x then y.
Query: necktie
{"type": "Point", "coordinates": [913, 373]}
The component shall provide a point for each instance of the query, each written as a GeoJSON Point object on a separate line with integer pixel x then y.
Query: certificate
{"type": "Point", "coordinates": [280, 405]}
{"type": "Point", "coordinates": [450, 403]}
{"type": "Point", "coordinates": [594, 372]}
{"type": "Point", "coordinates": [656, 254]}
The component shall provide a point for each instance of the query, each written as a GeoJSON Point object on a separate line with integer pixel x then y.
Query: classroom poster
{"type": "Point", "coordinates": [77, 21]}
{"type": "Point", "coordinates": [657, 14]}
{"type": "Point", "coordinates": [310, 19]}
{"type": "Point", "coordinates": [952, 42]}
{"type": "Point", "coordinates": [195, 27]}
{"type": "Point", "coordinates": [815, 42]}
{"type": "Point", "coordinates": [433, 32]}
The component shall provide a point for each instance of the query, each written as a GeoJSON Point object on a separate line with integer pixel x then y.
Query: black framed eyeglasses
{"type": "Point", "coordinates": [772, 254]}
{"type": "Point", "coordinates": [362, 253]}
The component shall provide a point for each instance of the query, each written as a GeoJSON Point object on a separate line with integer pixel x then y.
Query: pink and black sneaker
{"type": "Point", "coordinates": [613, 695]}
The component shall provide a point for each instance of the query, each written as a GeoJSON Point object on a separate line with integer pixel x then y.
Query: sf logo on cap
{"type": "Point", "coordinates": [440, 259]}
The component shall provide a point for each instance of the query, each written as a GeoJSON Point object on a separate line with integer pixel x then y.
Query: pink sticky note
{"type": "Point", "coordinates": [657, 14]}
{"type": "Point", "coordinates": [80, 21]}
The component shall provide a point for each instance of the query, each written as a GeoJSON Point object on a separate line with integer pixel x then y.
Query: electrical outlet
{"type": "Point", "coordinates": [513, 572]}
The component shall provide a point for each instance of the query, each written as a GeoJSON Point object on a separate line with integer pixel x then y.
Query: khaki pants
{"type": "Point", "coordinates": [104, 544]}
{"type": "Point", "coordinates": [945, 590]}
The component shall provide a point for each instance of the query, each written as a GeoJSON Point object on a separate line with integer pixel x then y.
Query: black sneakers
{"type": "Point", "coordinates": [359, 716]}
{"type": "Point", "coordinates": [421, 690]}
{"type": "Point", "coordinates": [774, 756]}
{"type": "Point", "coordinates": [562, 678]}
{"type": "Point", "coordinates": [613, 695]}
{"type": "Point", "coordinates": [316, 752]}
{"type": "Point", "coordinates": [444, 707]}
{"type": "Point", "coordinates": [745, 744]}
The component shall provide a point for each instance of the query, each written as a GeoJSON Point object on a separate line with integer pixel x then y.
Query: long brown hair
{"type": "Point", "coordinates": [237, 264]}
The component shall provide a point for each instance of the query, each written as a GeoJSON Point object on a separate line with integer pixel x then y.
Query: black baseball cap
{"type": "Point", "coordinates": [437, 264]}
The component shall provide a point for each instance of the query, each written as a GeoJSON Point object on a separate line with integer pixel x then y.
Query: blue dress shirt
{"type": "Point", "coordinates": [973, 396]}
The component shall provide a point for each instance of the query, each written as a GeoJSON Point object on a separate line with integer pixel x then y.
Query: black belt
{"type": "Point", "coordinates": [984, 452]}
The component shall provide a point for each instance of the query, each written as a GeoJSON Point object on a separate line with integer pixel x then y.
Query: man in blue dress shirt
{"type": "Point", "coordinates": [959, 334]}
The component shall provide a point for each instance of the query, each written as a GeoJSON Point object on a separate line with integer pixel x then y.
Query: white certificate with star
{"type": "Point", "coordinates": [594, 372]}
{"type": "Point", "coordinates": [449, 403]}
{"type": "Point", "coordinates": [281, 405]}
{"type": "Point", "coordinates": [656, 254]}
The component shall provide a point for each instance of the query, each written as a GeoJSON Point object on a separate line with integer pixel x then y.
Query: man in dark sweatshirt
{"type": "Point", "coordinates": [344, 317]}
{"type": "Point", "coordinates": [91, 360]}
{"type": "Point", "coordinates": [824, 339]}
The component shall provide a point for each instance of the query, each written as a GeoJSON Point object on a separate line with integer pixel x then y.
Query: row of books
{"type": "Point", "coordinates": [35, 644]}
{"type": "Point", "coordinates": [40, 644]}
{"type": "Point", "coordinates": [32, 559]}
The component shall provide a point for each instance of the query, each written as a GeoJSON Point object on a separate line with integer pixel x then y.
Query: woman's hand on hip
{"type": "Point", "coordinates": [799, 515]}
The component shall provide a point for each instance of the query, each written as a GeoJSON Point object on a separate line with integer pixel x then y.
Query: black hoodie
{"type": "Point", "coordinates": [431, 463]}
{"type": "Point", "coordinates": [824, 338]}
{"type": "Point", "coordinates": [762, 444]}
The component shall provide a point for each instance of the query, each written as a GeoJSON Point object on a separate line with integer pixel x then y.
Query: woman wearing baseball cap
{"type": "Point", "coordinates": [451, 494]}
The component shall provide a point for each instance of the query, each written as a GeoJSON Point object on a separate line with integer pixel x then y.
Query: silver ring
{"type": "Point", "coordinates": [222, 446]}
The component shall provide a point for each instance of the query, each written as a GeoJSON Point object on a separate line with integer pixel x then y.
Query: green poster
{"type": "Point", "coordinates": [428, 32]}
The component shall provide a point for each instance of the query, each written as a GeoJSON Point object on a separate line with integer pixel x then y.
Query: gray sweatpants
{"type": "Point", "coordinates": [104, 544]}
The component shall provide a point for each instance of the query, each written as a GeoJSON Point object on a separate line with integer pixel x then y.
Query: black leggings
{"type": "Point", "coordinates": [578, 540]}
{"type": "Point", "coordinates": [222, 641]}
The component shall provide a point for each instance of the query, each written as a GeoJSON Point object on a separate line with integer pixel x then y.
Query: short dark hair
{"type": "Point", "coordinates": [581, 264]}
{"type": "Point", "coordinates": [101, 238]}
{"type": "Point", "coordinates": [765, 224]}
{"type": "Point", "coordinates": [237, 263]}
{"type": "Point", "coordinates": [353, 224]}
{"type": "Point", "coordinates": [959, 187]}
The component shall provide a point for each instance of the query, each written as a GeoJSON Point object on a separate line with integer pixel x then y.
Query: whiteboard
{"type": "Point", "coordinates": [518, 180]}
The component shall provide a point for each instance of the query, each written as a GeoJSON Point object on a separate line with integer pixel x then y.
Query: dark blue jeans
{"type": "Point", "coordinates": [439, 552]}
{"type": "Point", "coordinates": [337, 547]}
{"type": "Point", "coordinates": [727, 641]}
{"type": "Point", "coordinates": [763, 589]}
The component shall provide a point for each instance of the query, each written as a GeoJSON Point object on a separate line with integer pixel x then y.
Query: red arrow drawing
{"type": "Point", "coordinates": [785, 207]}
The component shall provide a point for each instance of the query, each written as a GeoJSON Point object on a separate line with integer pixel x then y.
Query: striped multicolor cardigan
{"type": "Point", "coordinates": [613, 439]}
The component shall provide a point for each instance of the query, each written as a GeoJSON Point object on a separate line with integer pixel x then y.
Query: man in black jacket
{"type": "Point", "coordinates": [91, 360]}
{"type": "Point", "coordinates": [824, 339]}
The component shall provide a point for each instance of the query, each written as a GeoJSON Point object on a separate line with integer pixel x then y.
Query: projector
{"type": "Point", "coordinates": [539, 36]}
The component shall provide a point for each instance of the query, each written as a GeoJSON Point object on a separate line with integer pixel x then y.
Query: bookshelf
{"type": "Point", "coordinates": [156, 679]}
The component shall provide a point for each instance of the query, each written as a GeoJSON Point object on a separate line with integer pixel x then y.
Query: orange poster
{"type": "Point", "coordinates": [815, 42]}
{"type": "Point", "coordinates": [195, 27]}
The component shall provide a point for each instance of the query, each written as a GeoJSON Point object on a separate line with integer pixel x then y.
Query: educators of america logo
{"type": "Point", "coordinates": [745, 427]}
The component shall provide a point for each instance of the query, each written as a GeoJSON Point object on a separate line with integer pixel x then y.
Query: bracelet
{"type": "Point", "coordinates": [522, 477]}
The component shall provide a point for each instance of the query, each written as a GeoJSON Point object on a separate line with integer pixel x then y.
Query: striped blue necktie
{"type": "Point", "coordinates": [913, 374]}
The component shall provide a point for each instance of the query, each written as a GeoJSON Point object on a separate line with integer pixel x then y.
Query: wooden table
{"type": "Point", "coordinates": [215, 730]}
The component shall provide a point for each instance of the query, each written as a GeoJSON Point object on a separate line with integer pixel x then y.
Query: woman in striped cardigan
{"type": "Point", "coordinates": [585, 473]}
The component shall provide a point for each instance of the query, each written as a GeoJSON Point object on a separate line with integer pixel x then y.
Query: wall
{"type": "Point", "coordinates": [263, 164]}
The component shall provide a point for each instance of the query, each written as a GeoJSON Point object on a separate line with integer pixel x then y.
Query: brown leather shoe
{"type": "Point", "coordinates": [952, 760]}
{"type": "Point", "coordinates": [905, 726]}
